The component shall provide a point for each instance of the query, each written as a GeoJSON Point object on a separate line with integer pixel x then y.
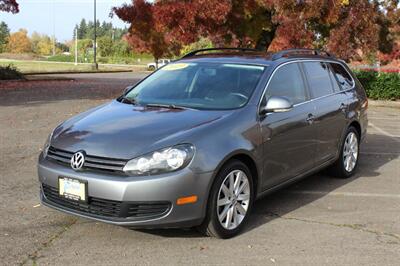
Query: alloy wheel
{"type": "Point", "coordinates": [233, 199]}
{"type": "Point", "coordinates": [350, 152]}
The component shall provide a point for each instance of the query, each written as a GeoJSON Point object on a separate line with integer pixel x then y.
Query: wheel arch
{"type": "Point", "coordinates": [357, 126]}
{"type": "Point", "coordinates": [248, 159]}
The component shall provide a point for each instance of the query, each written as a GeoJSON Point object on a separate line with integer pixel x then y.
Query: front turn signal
{"type": "Point", "coordinates": [186, 200]}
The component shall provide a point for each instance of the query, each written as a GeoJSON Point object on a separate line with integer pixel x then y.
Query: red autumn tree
{"type": "Point", "coordinates": [144, 34]}
{"type": "Point", "coordinates": [9, 6]}
{"type": "Point", "coordinates": [344, 27]}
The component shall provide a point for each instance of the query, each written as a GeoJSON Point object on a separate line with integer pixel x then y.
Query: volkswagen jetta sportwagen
{"type": "Point", "coordinates": [199, 140]}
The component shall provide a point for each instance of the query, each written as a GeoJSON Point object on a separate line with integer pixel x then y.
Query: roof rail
{"type": "Point", "coordinates": [193, 53]}
{"type": "Point", "coordinates": [301, 51]}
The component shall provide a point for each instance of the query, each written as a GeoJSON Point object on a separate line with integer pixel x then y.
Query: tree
{"type": "Point", "coordinates": [105, 46]}
{"type": "Point", "coordinates": [342, 26]}
{"type": "Point", "coordinates": [144, 34]}
{"type": "Point", "coordinates": [200, 44]}
{"type": "Point", "coordinates": [41, 44]}
{"type": "Point", "coordinates": [121, 48]}
{"type": "Point", "coordinates": [82, 29]}
{"type": "Point", "coordinates": [45, 46]}
{"type": "Point", "coordinates": [19, 42]}
{"type": "Point", "coordinates": [4, 35]}
{"type": "Point", "coordinates": [9, 6]}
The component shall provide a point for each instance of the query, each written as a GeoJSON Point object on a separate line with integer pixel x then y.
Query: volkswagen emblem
{"type": "Point", "coordinates": [77, 160]}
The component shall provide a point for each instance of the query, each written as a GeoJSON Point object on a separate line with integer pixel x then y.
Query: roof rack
{"type": "Point", "coordinates": [302, 51]}
{"type": "Point", "coordinates": [193, 53]}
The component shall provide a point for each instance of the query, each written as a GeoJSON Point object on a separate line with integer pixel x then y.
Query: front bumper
{"type": "Point", "coordinates": [131, 190]}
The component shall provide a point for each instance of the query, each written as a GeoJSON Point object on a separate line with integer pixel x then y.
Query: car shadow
{"type": "Point", "coordinates": [309, 189]}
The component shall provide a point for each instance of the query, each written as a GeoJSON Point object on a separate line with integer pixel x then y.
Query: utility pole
{"type": "Point", "coordinates": [76, 46]}
{"type": "Point", "coordinates": [54, 30]}
{"type": "Point", "coordinates": [95, 41]}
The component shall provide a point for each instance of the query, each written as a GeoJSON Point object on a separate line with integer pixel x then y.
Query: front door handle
{"type": "Point", "coordinates": [310, 119]}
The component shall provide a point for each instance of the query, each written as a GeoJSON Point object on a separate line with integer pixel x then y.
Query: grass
{"type": "Point", "coordinates": [31, 67]}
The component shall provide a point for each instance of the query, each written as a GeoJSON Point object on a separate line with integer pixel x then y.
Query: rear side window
{"type": "Point", "coordinates": [343, 77]}
{"type": "Point", "coordinates": [318, 78]}
{"type": "Point", "coordinates": [334, 81]}
{"type": "Point", "coordinates": [288, 82]}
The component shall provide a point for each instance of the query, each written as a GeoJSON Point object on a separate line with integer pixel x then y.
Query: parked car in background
{"type": "Point", "coordinates": [161, 62]}
{"type": "Point", "coordinates": [199, 140]}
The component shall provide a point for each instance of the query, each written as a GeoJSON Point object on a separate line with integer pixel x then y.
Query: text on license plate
{"type": "Point", "coordinates": [72, 188]}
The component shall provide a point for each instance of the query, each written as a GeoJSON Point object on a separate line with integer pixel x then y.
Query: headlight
{"type": "Point", "coordinates": [47, 145]}
{"type": "Point", "coordinates": [162, 161]}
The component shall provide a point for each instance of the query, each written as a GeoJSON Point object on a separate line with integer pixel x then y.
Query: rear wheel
{"type": "Point", "coordinates": [347, 162]}
{"type": "Point", "coordinates": [230, 201]}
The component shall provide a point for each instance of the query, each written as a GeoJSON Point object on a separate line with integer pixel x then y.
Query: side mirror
{"type": "Point", "coordinates": [277, 104]}
{"type": "Point", "coordinates": [127, 89]}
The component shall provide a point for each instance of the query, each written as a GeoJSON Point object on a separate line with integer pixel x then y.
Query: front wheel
{"type": "Point", "coordinates": [347, 162]}
{"type": "Point", "coordinates": [230, 201]}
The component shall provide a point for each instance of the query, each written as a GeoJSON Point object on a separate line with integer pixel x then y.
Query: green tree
{"type": "Point", "coordinates": [82, 29]}
{"type": "Point", "coordinates": [121, 48]}
{"type": "Point", "coordinates": [35, 39]}
{"type": "Point", "coordinates": [4, 35]}
{"type": "Point", "coordinates": [105, 46]}
{"type": "Point", "coordinates": [200, 44]}
{"type": "Point", "coordinates": [41, 44]}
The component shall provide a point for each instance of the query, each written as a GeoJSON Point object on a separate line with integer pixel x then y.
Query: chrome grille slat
{"type": "Point", "coordinates": [58, 158]}
{"type": "Point", "coordinates": [97, 160]}
{"type": "Point", "coordinates": [91, 162]}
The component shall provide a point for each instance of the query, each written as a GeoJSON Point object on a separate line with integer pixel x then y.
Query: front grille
{"type": "Point", "coordinates": [108, 208]}
{"type": "Point", "coordinates": [91, 162]}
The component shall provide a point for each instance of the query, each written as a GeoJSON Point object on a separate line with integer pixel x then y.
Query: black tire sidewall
{"type": "Point", "coordinates": [213, 221]}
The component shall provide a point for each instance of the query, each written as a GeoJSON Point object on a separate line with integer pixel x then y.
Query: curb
{"type": "Point", "coordinates": [76, 72]}
{"type": "Point", "coordinates": [380, 103]}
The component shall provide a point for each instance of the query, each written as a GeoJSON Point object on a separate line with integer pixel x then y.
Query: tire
{"type": "Point", "coordinates": [342, 168]}
{"type": "Point", "coordinates": [214, 225]}
{"type": "Point", "coordinates": [152, 68]}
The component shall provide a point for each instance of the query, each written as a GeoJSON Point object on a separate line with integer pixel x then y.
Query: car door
{"type": "Point", "coordinates": [288, 137]}
{"type": "Point", "coordinates": [331, 107]}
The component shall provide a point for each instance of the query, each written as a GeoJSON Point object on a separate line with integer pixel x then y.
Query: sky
{"type": "Point", "coordinates": [59, 16]}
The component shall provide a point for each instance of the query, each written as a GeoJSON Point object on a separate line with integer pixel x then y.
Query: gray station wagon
{"type": "Point", "coordinates": [195, 143]}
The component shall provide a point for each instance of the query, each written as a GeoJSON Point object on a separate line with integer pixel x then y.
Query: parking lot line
{"type": "Point", "coordinates": [381, 153]}
{"type": "Point", "coordinates": [394, 137]}
{"type": "Point", "coordinates": [344, 194]}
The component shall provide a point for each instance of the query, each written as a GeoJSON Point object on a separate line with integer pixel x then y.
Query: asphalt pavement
{"type": "Point", "coordinates": [317, 221]}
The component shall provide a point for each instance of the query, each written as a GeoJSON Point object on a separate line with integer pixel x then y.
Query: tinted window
{"type": "Point", "coordinates": [287, 82]}
{"type": "Point", "coordinates": [334, 81]}
{"type": "Point", "coordinates": [199, 85]}
{"type": "Point", "coordinates": [345, 80]}
{"type": "Point", "coordinates": [318, 78]}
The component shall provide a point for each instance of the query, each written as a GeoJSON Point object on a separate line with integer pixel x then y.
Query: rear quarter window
{"type": "Point", "coordinates": [346, 82]}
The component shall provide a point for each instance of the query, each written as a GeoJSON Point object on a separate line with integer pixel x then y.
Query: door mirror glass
{"type": "Point", "coordinates": [276, 104]}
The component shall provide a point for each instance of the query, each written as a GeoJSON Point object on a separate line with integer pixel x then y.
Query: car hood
{"type": "Point", "coordinates": [123, 131]}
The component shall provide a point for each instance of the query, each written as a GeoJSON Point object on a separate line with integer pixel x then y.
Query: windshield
{"type": "Point", "coordinates": [199, 85]}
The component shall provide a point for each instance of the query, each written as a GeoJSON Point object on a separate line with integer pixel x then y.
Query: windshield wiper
{"type": "Point", "coordinates": [125, 99]}
{"type": "Point", "coordinates": [169, 106]}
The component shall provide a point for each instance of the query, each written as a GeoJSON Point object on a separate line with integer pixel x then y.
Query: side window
{"type": "Point", "coordinates": [335, 83]}
{"type": "Point", "coordinates": [288, 82]}
{"type": "Point", "coordinates": [318, 78]}
{"type": "Point", "coordinates": [344, 78]}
